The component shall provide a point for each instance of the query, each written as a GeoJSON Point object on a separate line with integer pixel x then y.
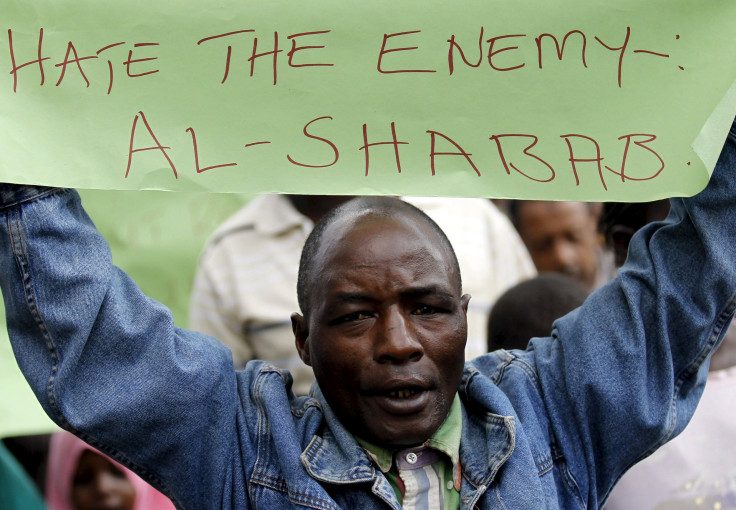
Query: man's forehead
{"type": "Point", "coordinates": [387, 229]}
{"type": "Point", "coordinates": [547, 207]}
{"type": "Point", "coordinates": [404, 254]}
{"type": "Point", "coordinates": [353, 231]}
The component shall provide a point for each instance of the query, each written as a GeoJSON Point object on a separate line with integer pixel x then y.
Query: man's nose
{"type": "Point", "coordinates": [565, 256]}
{"type": "Point", "coordinates": [107, 485]}
{"type": "Point", "coordinates": [396, 340]}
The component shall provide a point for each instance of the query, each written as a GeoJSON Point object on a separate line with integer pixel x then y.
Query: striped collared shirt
{"type": "Point", "coordinates": [426, 477]}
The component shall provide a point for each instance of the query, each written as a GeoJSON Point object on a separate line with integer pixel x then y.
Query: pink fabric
{"type": "Point", "coordinates": [64, 453]}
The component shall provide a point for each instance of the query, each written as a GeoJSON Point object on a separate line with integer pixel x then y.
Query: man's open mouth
{"type": "Point", "coordinates": [402, 399]}
{"type": "Point", "coordinates": [406, 393]}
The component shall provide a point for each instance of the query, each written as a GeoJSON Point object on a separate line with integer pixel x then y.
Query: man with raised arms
{"type": "Point", "coordinates": [396, 419]}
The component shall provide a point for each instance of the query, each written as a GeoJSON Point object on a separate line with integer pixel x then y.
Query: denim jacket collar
{"type": "Point", "coordinates": [488, 441]}
{"type": "Point", "coordinates": [335, 457]}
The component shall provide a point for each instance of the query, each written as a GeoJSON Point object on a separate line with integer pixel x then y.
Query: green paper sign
{"type": "Point", "coordinates": [573, 99]}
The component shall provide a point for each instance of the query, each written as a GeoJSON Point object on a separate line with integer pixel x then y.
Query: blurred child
{"type": "Point", "coordinates": [81, 478]}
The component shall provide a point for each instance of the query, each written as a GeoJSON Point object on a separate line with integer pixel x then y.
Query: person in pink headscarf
{"type": "Point", "coordinates": [79, 477]}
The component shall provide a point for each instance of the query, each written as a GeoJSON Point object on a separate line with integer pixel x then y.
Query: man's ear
{"type": "Point", "coordinates": [464, 302]}
{"type": "Point", "coordinates": [301, 337]}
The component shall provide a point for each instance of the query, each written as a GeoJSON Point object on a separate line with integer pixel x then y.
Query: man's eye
{"type": "Point", "coordinates": [117, 473]}
{"type": "Point", "coordinates": [541, 245]}
{"type": "Point", "coordinates": [351, 317]}
{"type": "Point", "coordinates": [81, 479]}
{"type": "Point", "coordinates": [358, 316]}
{"type": "Point", "coordinates": [576, 237]}
{"type": "Point", "coordinates": [424, 310]}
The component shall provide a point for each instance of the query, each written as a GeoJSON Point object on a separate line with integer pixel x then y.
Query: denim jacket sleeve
{"type": "Point", "coordinates": [105, 361]}
{"type": "Point", "coordinates": [623, 374]}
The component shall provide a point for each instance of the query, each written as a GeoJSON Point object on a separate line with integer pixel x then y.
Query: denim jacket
{"type": "Point", "coordinates": [551, 427]}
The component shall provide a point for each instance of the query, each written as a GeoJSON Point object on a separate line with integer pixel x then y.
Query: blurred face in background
{"type": "Point", "coordinates": [100, 485]}
{"type": "Point", "coordinates": [561, 237]}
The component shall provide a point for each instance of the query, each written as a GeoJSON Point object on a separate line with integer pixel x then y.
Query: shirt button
{"type": "Point", "coordinates": [411, 458]}
{"type": "Point", "coordinates": [450, 486]}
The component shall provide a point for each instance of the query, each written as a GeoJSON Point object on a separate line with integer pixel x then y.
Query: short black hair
{"type": "Point", "coordinates": [529, 308]}
{"type": "Point", "coordinates": [378, 206]}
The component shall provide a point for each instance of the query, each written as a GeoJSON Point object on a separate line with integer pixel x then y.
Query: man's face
{"type": "Point", "coordinates": [562, 238]}
{"type": "Point", "coordinates": [386, 329]}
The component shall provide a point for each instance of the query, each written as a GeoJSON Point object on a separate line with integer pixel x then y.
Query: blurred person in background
{"type": "Point", "coordinates": [17, 491]}
{"type": "Point", "coordinates": [529, 308]}
{"type": "Point", "coordinates": [620, 220]}
{"type": "Point", "coordinates": [562, 237]}
{"type": "Point", "coordinates": [79, 477]}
